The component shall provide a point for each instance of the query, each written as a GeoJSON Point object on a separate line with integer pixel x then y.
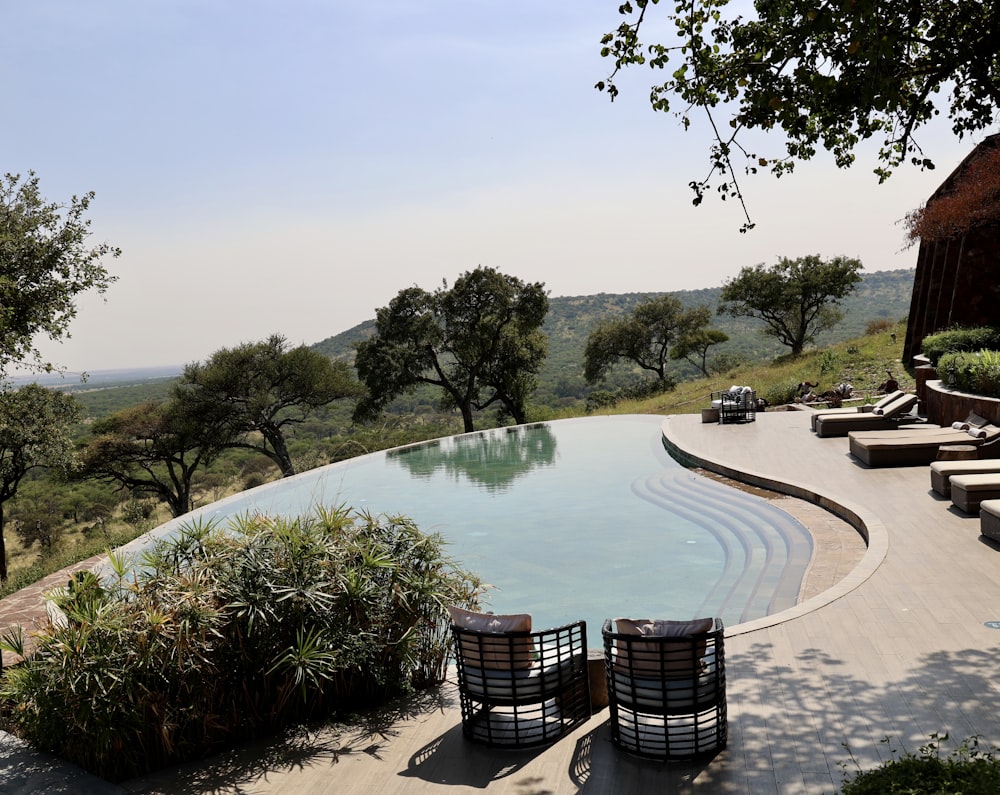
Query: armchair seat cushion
{"type": "Point", "coordinates": [671, 693]}
{"type": "Point", "coordinates": [523, 683]}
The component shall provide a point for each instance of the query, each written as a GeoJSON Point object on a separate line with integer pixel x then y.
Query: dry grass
{"type": "Point", "coordinates": [861, 362]}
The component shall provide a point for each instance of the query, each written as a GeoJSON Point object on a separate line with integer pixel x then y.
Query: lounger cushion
{"type": "Point", "coordinates": [976, 481]}
{"type": "Point", "coordinates": [976, 421]}
{"type": "Point", "coordinates": [504, 654]}
{"type": "Point", "coordinates": [646, 656]}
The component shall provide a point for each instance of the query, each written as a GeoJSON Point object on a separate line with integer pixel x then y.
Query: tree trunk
{"type": "Point", "coordinates": [3, 549]}
{"type": "Point", "coordinates": [518, 413]}
{"type": "Point", "coordinates": [281, 455]}
{"type": "Point", "coordinates": [180, 503]}
{"type": "Point", "coordinates": [466, 407]}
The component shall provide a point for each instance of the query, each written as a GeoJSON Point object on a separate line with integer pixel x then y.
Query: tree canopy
{"type": "Point", "coordinates": [263, 388]}
{"type": "Point", "coordinates": [45, 262]}
{"type": "Point", "coordinates": [36, 430]}
{"type": "Point", "coordinates": [823, 75]}
{"type": "Point", "coordinates": [656, 331]}
{"type": "Point", "coordinates": [695, 337]}
{"type": "Point", "coordinates": [153, 448]}
{"type": "Point", "coordinates": [796, 299]}
{"type": "Point", "coordinates": [480, 341]}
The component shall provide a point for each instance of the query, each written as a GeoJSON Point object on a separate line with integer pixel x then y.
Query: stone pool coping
{"type": "Point", "coordinates": [865, 521]}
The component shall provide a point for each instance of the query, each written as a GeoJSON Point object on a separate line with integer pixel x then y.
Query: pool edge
{"type": "Point", "coordinates": [866, 523]}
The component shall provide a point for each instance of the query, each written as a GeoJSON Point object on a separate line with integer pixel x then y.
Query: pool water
{"type": "Point", "coordinates": [584, 518]}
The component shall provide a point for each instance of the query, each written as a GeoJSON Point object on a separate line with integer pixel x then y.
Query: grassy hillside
{"type": "Point", "coordinates": [862, 362]}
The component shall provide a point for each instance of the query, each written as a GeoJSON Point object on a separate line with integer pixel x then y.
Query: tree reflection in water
{"type": "Point", "coordinates": [491, 459]}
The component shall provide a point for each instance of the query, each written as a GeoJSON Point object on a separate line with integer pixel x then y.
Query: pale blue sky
{"type": "Point", "coordinates": [290, 166]}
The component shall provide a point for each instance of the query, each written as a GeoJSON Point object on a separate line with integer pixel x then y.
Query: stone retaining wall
{"type": "Point", "coordinates": [945, 405]}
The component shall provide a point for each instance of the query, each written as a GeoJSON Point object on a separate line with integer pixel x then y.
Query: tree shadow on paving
{"type": "Point", "coordinates": [796, 725]}
{"type": "Point", "coordinates": [297, 748]}
{"type": "Point", "coordinates": [813, 716]}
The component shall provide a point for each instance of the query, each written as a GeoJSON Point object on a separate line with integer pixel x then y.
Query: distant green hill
{"type": "Point", "coordinates": [881, 295]}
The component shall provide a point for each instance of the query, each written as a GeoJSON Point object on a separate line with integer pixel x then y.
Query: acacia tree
{"type": "Point", "coordinates": [796, 299]}
{"type": "Point", "coordinates": [45, 262]}
{"type": "Point", "coordinates": [479, 341]}
{"type": "Point", "coordinates": [695, 337]}
{"type": "Point", "coordinates": [153, 448]}
{"type": "Point", "coordinates": [821, 74]}
{"type": "Point", "coordinates": [648, 337]}
{"type": "Point", "coordinates": [263, 388]}
{"type": "Point", "coordinates": [36, 430]}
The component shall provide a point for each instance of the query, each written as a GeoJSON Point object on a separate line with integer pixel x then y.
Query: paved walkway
{"type": "Point", "coordinates": [898, 649]}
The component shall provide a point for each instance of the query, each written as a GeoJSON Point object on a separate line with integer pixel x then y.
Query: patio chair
{"type": "Point", "coordinates": [737, 404]}
{"type": "Point", "coordinates": [867, 408]}
{"type": "Point", "coordinates": [666, 686]}
{"type": "Point", "coordinates": [888, 417]}
{"type": "Point", "coordinates": [518, 688]}
{"type": "Point", "coordinates": [900, 448]}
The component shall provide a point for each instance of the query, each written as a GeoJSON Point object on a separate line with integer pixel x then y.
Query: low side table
{"type": "Point", "coordinates": [957, 452]}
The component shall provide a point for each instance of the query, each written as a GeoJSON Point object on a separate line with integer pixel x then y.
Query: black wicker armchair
{"type": "Point", "coordinates": [738, 404]}
{"type": "Point", "coordinates": [666, 686]}
{"type": "Point", "coordinates": [519, 688]}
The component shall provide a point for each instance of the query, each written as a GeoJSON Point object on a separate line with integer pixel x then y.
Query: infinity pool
{"type": "Point", "coordinates": [583, 518]}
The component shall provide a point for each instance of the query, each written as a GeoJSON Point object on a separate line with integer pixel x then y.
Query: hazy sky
{"type": "Point", "coordinates": [289, 166]}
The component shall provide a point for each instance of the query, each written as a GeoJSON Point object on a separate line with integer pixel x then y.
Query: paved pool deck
{"type": "Point", "coordinates": [898, 649]}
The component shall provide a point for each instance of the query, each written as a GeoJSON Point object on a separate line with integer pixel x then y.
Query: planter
{"type": "Point", "coordinates": [946, 405]}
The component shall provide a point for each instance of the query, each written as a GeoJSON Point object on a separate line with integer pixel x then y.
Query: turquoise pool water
{"type": "Point", "coordinates": [584, 518]}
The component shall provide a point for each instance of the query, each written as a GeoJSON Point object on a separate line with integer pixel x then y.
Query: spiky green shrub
{"type": "Point", "coordinates": [225, 633]}
{"type": "Point", "coordinates": [781, 394]}
{"type": "Point", "coordinates": [934, 346]}
{"type": "Point", "coordinates": [978, 373]}
{"type": "Point", "coordinates": [967, 770]}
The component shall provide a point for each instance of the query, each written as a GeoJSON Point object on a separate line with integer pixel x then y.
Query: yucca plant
{"type": "Point", "coordinates": [226, 632]}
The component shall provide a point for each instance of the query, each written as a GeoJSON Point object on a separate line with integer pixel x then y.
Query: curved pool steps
{"type": "Point", "coordinates": [766, 551]}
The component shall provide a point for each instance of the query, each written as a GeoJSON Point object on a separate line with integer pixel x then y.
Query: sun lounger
{"type": "Point", "coordinates": [942, 471]}
{"type": "Point", "coordinates": [886, 418]}
{"type": "Point", "coordinates": [902, 448]}
{"type": "Point", "coordinates": [851, 410]}
{"type": "Point", "coordinates": [989, 519]}
{"type": "Point", "coordinates": [968, 491]}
